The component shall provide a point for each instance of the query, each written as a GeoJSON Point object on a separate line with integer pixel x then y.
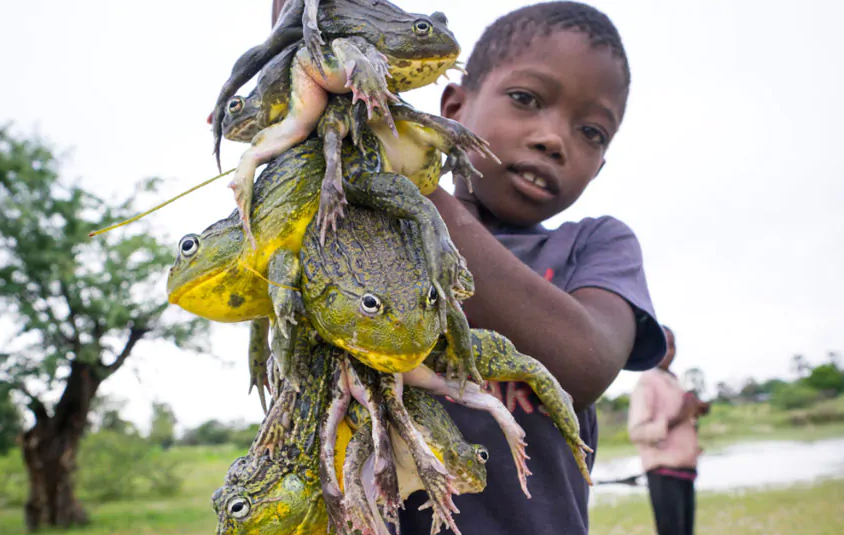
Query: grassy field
{"type": "Point", "coordinates": [807, 510]}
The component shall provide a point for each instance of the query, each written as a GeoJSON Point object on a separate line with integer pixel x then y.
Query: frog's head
{"type": "Point", "coordinates": [240, 122]}
{"type": "Point", "coordinates": [470, 468]}
{"type": "Point", "coordinates": [419, 50]}
{"type": "Point", "coordinates": [206, 279]}
{"type": "Point", "coordinates": [258, 497]}
{"type": "Point", "coordinates": [391, 327]}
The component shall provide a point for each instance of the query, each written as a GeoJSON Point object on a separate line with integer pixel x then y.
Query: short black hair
{"type": "Point", "coordinates": [511, 34]}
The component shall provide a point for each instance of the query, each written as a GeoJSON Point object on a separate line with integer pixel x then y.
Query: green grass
{"type": "Point", "coordinates": [187, 514]}
{"type": "Point", "coordinates": [801, 509]}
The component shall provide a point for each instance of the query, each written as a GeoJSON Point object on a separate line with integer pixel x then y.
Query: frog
{"type": "Point", "coordinates": [217, 277]}
{"type": "Point", "coordinates": [412, 51]}
{"type": "Point", "coordinates": [430, 452]}
{"type": "Point", "coordinates": [415, 153]}
{"type": "Point", "coordinates": [281, 493]}
{"type": "Point", "coordinates": [465, 461]}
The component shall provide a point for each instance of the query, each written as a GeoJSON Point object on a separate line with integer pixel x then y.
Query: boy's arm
{"type": "Point", "coordinates": [583, 338]}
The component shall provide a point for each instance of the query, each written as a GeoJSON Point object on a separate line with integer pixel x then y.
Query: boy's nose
{"type": "Point", "coordinates": [549, 143]}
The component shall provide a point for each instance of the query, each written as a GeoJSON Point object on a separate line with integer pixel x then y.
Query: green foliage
{"type": "Point", "coordinates": [116, 466]}
{"type": "Point", "coordinates": [163, 426]}
{"type": "Point", "coordinates": [70, 296]}
{"type": "Point", "coordinates": [826, 378]}
{"type": "Point", "coordinates": [794, 396]}
{"type": "Point", "coordinates": [10, 420]}
{"type": "Point", "coordinates": [13, 479]}
{"type": "Point", "coordinates": [214, 432]}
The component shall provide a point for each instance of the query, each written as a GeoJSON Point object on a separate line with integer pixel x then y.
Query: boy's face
{"type": "Point", "coordinates": [549, 115]}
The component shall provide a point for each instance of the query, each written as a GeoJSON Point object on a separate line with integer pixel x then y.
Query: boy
{"type": "Point", "coordinates": [546, 85]}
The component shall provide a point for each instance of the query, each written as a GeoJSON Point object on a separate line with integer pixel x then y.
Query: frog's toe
{"type": "Point", "coordinates": [579, 451]}
{"type": "Point", "coordinates": [437, 521]}
{"type": "Point", "coordinates": [331, 202]}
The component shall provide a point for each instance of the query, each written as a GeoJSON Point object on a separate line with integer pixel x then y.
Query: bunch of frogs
{"type": "Point", "coordinates": [369, 41]}
{"type": "Point", "coordinates": [275, 489]}
{"type": "Point", "coordinates": [366, 291]}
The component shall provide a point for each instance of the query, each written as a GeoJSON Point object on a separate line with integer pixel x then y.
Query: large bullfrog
{"type": "Point", "coordinates": [278, 493]}
{"type": "Point", "coordinates": [414, 153]}
{"type": "Point", "coordinates": [281, 492]}
{"type": "Point", "coordinates": [292, 91]}
{"type": "Point", "coordinates": [219, 278]}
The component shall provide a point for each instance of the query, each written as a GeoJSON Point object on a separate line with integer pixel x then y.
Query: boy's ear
{"type": "Point", "coordinates": [452, 101]}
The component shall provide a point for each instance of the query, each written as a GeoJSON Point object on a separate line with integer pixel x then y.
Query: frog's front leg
{"type": "Point", "coordinates": [385, 477]}
{"type": "Point", "coordinates": [474, 398]}
{"type": "Point", "coordinates": [259, 354]}
{"type": "Point", "coordinates": [307, 102]}
{"type": "Point", "coordinates": [332, 129]}
{"type": "Point", "coordinates": [434, 476]}
{"type": "Point", "coordinates": [459, 348]}
{"type": "Point", "coordinates": [283, 272]}
{"type": "Point", "coordinates": [277, 422]}
{"type": "Point", "coordinates": [499, 360]}
{"type": "Point", "coordinates": [340, 398]}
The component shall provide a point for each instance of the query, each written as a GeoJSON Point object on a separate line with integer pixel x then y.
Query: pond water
{"type": "Point", "coordinates": [745, 465]}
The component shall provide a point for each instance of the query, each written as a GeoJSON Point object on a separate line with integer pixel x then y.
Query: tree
{"type": "Point", "coordinates": [826, 378]}
{"type": "Point", "coordinates": [79, 307]}
{"type": "Point", "coordinates": [163, 426]}
{"type": "Point", "coordinates": [800, 366]}
{"type": "Point", "coordinates": [834, 359]}
{"type": "Point", "coordinates": [10, 420]}
{"type": "Point", "coordinates": [696, 380]}
{"type": "Point", "coordinates": [724, 393]}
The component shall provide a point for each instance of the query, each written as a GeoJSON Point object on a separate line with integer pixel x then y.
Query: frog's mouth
{"type": "Point", "coordinates": [412, 73]}
{"type": "Point", "coordinates": [385, 362]}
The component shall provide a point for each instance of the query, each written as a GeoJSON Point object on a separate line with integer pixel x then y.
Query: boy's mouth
{"type": "Point", "coordinates": [532, 183]}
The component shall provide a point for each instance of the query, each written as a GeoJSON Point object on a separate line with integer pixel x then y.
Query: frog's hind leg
{"type": "Point", "coordinates": [332, 129]}
{"type": "Point", "coordinates": [259, 353]}
{"type": "Point", "coordinates": [283, 272]}
{"type": "Point", "coordinates": [358, 499]}
{"type": "Point", "coordinates": [340, 398]}
{"type": "Point", "coordinates": [474, 398]}
{"type": "Point", "coordinates": [307, 102]}
{"type": "Point", "coordinates": [432, 472]}
{"type": "Point", "coordinates": [385, 477]}
{"type": "Point", "coordinates": [499, 360]}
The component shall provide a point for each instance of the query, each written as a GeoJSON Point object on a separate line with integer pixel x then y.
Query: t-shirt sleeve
{"type": "Point", "coordinates": [607, 255]}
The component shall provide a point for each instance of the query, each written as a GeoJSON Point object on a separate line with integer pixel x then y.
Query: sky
{"type": "Point", "coordinates": [724, 165]}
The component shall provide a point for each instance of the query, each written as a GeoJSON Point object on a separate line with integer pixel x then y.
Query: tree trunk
{"type": "Point", "coordinates": [49, 451]}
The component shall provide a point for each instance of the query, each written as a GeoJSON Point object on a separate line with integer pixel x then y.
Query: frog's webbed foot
{"type": "Point", "coordinates": [340, 397]}
{"type": "Point", "coordinates": [271, 434]}
{"type": "Point", "coordinates": [332, 128]}
{"type": "Point", "coordinates": [259, 353]}
{"type": "Point", "coordinates": [384, 475]}
{"type": "Point", "coordinates": [459, 350]}
{"type": "Point", "coordinates": [366, 71]}
{"type": "Point", "coordinates": [499, 360]}
{"type": "Point", "coordinates": [474, 398]}
{"type": "Point", "coordinates": [359, 516]}
{"type": "Point", "coordinates": [312, 34]}
{"type": "Point", "coordinates": [283, 272]}
{"type": "Point", "coordinates": [433, 474]}
{"type": "Point", "coordinates": [436, 520]}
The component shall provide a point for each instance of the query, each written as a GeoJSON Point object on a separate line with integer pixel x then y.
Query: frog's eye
{"type": "Point", "coordinates": [422, 27]}
{"type": "Point", "coordinates": [189, 245]}
{"type": "Point", "coordinates": [433, 295]}
{"type": "Point", "coordinates": [235, 105]}
{"type": "Point", "coordinates": [482, 454]}
{"type": "Point", "coordinates": [238, 507]}
{"type": "Point", "coordinates": [370, 304]}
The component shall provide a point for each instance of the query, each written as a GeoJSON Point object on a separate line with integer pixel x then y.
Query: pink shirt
{"type": "Point", "coordinates": [657, 399]}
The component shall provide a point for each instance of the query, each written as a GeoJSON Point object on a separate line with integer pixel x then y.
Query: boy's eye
{"type": "Point", "coordinates": [523, 98]}
{"type": "Point", "coordinates": [594, 135]}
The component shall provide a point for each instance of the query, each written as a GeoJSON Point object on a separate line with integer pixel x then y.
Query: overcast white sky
{"type": "Point", "coordinates": [725, 165]}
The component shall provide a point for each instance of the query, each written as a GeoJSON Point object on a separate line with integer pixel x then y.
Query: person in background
{"type": "Point", "coordinates": [662, 423]}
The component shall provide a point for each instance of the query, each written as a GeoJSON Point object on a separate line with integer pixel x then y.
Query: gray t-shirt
{"type": "Point", "coordinates": [602, 253]}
